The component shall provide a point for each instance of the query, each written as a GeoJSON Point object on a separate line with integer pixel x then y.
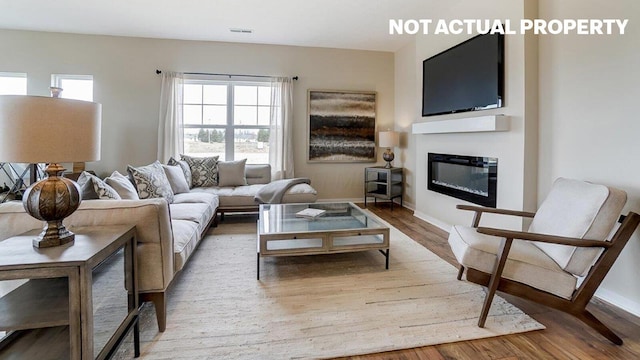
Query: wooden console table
{"type": "Point", "coordinates": [50, 313]}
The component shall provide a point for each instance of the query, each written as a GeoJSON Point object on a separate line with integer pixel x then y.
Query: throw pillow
{"type": "Point", "coordinates": [176, 179]}
{"type": "Point", "coordinates": [122, 185]}
{"type": "Point", "coordinates": [87, 192]}
{"type": "Point", "coordinates": [204, 171]}
{"type": "Point", "coordinates": [100, 188]}
{"type": "Point", "coordinates": [185, 169]}
{"type": "Point", "coordinates": [231, 173]}
{"type": "Point", "coordinates": [151, 181]}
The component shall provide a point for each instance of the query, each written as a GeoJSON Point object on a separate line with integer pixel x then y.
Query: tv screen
{"type": "Point", "coordinates": [466, 77]}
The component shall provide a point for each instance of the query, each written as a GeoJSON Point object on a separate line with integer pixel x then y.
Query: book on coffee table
{"type": "Point", "coordinates": [310, 213]}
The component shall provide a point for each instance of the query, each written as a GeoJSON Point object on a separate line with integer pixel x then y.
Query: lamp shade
{"type": "Point", "coordinates": [388, 139]}
{"type": "Point", "coordinates": [37, 129]}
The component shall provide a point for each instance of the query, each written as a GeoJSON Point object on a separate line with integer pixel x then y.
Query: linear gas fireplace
{"type": "Point", "coordinates": [470, 178]}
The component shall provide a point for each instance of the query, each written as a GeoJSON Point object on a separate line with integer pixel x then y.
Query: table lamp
{"type": "Point", "coordinates": [37, 129]}
{"type": "Point", "coordinates": [388, 139]}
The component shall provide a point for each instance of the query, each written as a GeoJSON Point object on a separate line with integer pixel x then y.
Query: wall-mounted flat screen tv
{"type": "Point", "coordinates": [466, 77]}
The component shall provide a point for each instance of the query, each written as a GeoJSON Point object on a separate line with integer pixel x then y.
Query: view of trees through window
{"type": "Point", "coordinates": [228, 119]}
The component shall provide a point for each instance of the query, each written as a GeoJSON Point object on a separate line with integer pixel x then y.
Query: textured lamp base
{"type": "Point", "coordinates": [388, 156]}
{"type": "Point", "coordinates": [52, 199]}
{"type": "Point", "coordinates": [54, 234]}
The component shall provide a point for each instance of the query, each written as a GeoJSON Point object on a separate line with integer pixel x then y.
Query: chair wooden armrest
{"type": "Point", "coordinates": [552, 239]}
{"type": "Point", "coordinates": [481, 209]}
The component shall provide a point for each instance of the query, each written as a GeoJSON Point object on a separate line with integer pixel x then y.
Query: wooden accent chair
{"type": "Point", "coordinates": [566, 241]}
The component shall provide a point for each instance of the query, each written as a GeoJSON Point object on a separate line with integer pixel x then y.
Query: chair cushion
{"type": "Point", "coordinates": [526, 263]}
{"type": "Point", "coordinates": [577, 209]}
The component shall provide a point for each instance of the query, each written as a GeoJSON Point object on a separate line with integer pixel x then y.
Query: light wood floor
{"type": "Point", "coordinates": [564, 338]}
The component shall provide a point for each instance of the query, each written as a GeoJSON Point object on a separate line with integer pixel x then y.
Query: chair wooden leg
{"type": "Point", "coordinates": [460, 272]}
{"type": "Point", "coordinates": [502, 254]}
{"type": "Point", "coordinates": [588, 318]}
{"type": "Point", "coordinates": [159, 302]}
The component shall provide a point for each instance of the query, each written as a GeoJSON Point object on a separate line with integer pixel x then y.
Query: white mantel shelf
{"type": "Point", "coordinates": [463, 125]}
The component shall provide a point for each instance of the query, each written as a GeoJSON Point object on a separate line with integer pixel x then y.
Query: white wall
{"type": "Point", "coordinates": [514, 163]}
{"type": "Point", "coordinates": [406, 112]}
{"type": "Point", "coordinates": [126, 84]}
{"type": "Point", "coordinates": [589, 125]}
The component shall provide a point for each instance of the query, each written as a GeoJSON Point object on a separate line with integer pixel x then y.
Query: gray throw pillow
{"type": "Point", "coordinates": [204, 171]}
{"type": "Point", "coordinates": [122, 185]}
{"type": "Point", "coordinates": [176, 179]}
{"type": "Point", "coordinates": [185, 169]}
{"type": "Point", "coordinates": [151, 181]}
{"type": "Point", "coordinates": [87, 192]}
{"type": "Point", "coordinates": [231, 173]}
{"type": "Point", "coordinates": [100, 188]}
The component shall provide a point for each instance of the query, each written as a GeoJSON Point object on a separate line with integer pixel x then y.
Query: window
{"type": "Point", "coordinates": [79, 87]}
{"type": "Point", "coordinates": [13, 83]}
{"type": "Point", "coordinates": [227, 118]}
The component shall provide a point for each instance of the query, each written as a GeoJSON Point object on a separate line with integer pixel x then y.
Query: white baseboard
{"type": "Point", "coordinates": [618, 301]}
{"type": "Point", "coordinates": [433, 221]}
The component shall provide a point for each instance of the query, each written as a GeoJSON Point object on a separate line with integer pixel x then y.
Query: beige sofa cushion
{"type": "Point", "coordinates": [526, 263]}
{"type": "Point", "coordinates": [239, 196]}
{"type": "Point", "coordinates": [186, 237]}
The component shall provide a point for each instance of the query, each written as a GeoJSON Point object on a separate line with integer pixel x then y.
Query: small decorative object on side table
{"type": "Point", "coordinates": [388, 139]}
{"type": "Point", "coordinates": [381, 182]}
{"type": "Point", "coordinates": [52, 312]}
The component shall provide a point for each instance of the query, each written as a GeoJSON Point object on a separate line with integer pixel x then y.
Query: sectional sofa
{"type": "Point", "coordinates": [167, 233]}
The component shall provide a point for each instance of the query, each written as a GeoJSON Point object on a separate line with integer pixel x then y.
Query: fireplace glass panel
{"type": "Point", "coordinates": [466, 178]}
{"type": "Point", "coordinates": [470, 178]}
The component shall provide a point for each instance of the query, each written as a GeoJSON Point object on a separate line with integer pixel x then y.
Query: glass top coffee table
{"type": "Point", "coordinates": [342, 227]}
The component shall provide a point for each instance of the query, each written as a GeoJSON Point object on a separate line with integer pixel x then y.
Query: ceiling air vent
{"type": "Point", "coordinates": [242, 31]}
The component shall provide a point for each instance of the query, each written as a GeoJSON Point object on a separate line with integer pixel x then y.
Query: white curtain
{"type": "Point", "coordinates": [281, 128]}
{"type": "Point", "coordinates": [170, 132]}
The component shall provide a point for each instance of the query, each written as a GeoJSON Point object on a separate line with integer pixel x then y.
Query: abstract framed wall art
{"type": "Point", "coordinates": [342, 126]}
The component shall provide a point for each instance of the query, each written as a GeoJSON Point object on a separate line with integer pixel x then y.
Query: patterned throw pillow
{"type": "Point", "coordinates": [204, 171]}
{"type": "Point", "coordinates": [151, 181]}
{"type": "Point", "coordinates": [185, 169]}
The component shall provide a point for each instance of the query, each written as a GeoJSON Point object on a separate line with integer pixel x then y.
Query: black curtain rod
{"type": "Point", "coordinates": [229, 75]}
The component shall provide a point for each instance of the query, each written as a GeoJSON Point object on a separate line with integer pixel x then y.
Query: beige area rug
{"type": "Point", "coordinates": [316, 306]}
